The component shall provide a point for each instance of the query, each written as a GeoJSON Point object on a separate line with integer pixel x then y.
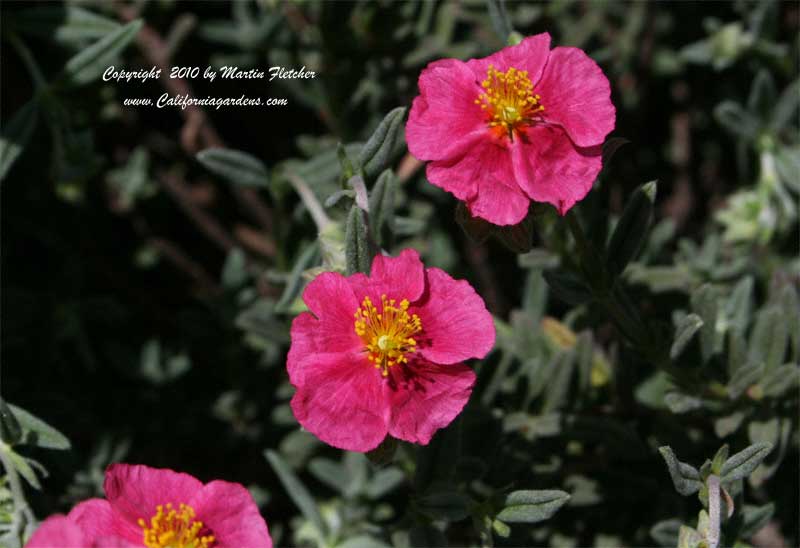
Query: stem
{"type": "Point", "coordinates": [713, 511]}
{"type": "Point", "coordinates": [316, 210]}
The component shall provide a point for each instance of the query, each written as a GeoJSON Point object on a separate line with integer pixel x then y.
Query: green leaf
{"type": "Point", "coordinates": [689, 538]}
{"type": "Point", "coordinates": [89, 63]}
{"type": "Point", "coordinates": [784, 112]}
{"type": "Point", "coordinates": [762, 94]}
{"type": "Point", "coordinates": [519, 237]}
{"type": "Point", "coordinates": [234, 271]}
{"type": "Point", "coordinates": [377, 151]}
{"type": "Point", "coordinates": [769, 338]}
{"type": "Point", "coordinates": [10, 430]}
{"type": "Point", "coordinates": [755, 518]}
{"type": "Point", "coordinates": [24, 469]}
{"type": "Point", "coordinates": [384, 481]}
{"type": "Point", "coordinates": [37, 432]}
{"type": "Point", "coordinates": [744, 462]}
{"type": "Point", "coordinates": [631, 230]}
{"type": "Point", "coordinates": [293, 286]}
{"type": "Point", "coordinates": [234, 166]}
{"type": "Point", "coordinates": [15, 135]}
{"type": "Point", "coordinates": [687, 327]}
{"type": "Point", "coordinates": [681, 403]}
{"type": "Point", "coordinates": [532, 506]}
{"type": "Point", "coordinates": [719, 459]}
{"type": "Point", "coordinates": [446, 505]}
{"type": "Point", "coordinates": [778, 381]}
{"type": "Point", "coordinates": [665, 533]}
{"type": "Point", "coordinates": [736, 120]}
{"type": "Point", "coordinates": [329, 473]}
{"type": "Point", "coordinates": [704, 303]}
{"type": "Point", "coordinates": [297, 491]}
{"type": "Point", "coordinates": [476, 228]}
{"type": "Point", "coordinates": [499, 17]}
{"type": "Point", "coordinates": [744, 377]}
{"type": "Point", "coordinates": [739, 305]}
{"type": "Point", "coordinates": [381, 205]}
{"type": "Point", "coordinates": [685, 478]}
{"type": "Point", "coordinates": [65, 24]}
{"type": "Point", "coordinates": [567, 287]}
{"type": "Point", "coordinates": [356, 246]}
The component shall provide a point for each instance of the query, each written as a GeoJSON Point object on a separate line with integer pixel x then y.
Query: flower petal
{"type": "Point", "coordinates": [455, 323]}
{"type": "Point", "coordinates": [549, 167]}
{"type": "Point", "coordinates": [426, 397]}
{"type": "Point", "coordinates": [402, 276]}
{"type": "Point", "coordinates": [329, 297]}
{"type": "Point", "coordinates": [577, 96]}
{"type": "Point", "coordinates": [530, 55]}
{"type": "Point", "coordinates": [342, 401]}
{"type": "Point", "coordinates": [483, 178]}
{"type": "Point", "coordinates": [134, 490]}
{"type": "Point", "coordinates": [444, 119]}
{"type": "Point", "coordinates": [98, 521]}
{"type": "Point", "coordinates": [58, 531]}
{"type": "Point", "coordinates": [231, 514]}
{"type": "Point", "coordinates": [312, 336]}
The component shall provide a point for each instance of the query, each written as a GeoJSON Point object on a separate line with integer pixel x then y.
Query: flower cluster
{"type": "Point", "coordinates": [158, 508]}
{"type": "Point", "coordinates": [524, 124]}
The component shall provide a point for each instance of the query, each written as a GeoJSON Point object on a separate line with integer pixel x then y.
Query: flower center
{"type": "Point", "coordinates": [387, 334]}
{"type": "Point", "coordinates": [171, 528]}
{"type": "Point", "coordinates": [509, 99]}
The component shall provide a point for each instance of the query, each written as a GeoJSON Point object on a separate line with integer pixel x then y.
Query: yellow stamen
{"type": "Point", "coordinates": [387, 336]}
{"type": "Point", "coordinates": [509, 100]}
{"type": "Point", "coordinates": [170, 528]}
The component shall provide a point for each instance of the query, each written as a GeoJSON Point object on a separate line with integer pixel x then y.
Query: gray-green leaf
{"type": "Point", "coordinates": [376, 152]}
{"type": "Point", "coordinates": [37, 432]}
{"type": "Point", "coordinates": [356, 246]}
{"type": "Point", "coordinates": [686, 329]}
{"type": "Point", "coordinates": [297, 491]}
{"type": "Point", "coordinates": [90, 62]}
{"type": "Point", "coordinates": [532, 506]}
{"type": "Point", "coordinates": [744, 462]}
{"type": "Point", "coordinates": [685, 477]}
{"type": "Point", "coordinates": [234, 166]}
{"type": "Point", "coordinates": [16, 134]}
{"type": "Point", "coordinates": [631, 230]}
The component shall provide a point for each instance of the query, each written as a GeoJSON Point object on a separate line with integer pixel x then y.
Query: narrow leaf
{"type": "Point", "coordinates": [499, 17]}
{"type": "Point", "coordinates": [686, 329]}
{"type": "Point", "coordinates": [356, 248]}
{"type": "Point", "coordinates": [297, 491]}
{"type": "Point", "coordinates": [37, 432]}
{"type": "Point", "coordinates": [532, 506]}
{"type": "Point", "coordinates": [89, 63]}
{"type": "Point", "coordinates": [744, 462]}
{"type": "Point", "coordinates": [10, 430]}
{"type": "Point", "coordinates": [567, 287]}
{"type": "Point", "coordinates": [234, 166]}
{"type": "Point", "coordinates": [631, 230]}
{"type": "Point", "coordinates": [24, 469]}
{"type": "Point", "coordinates": [381, 205]}
{"type": "Point", "coordinates": [704, 304]}
{"type": "Point", "coordinates": [784, 112]}
{"type": "Point", "coordinates": [377, 151]}
{"type": "Point", "coordinates": [685, 478]}
{"type": "Point", "coordinates": [736, 120]}
{"type": "Point", "coordinates": [446, 505]}
{"type": "Point", "coordinates": [16, 134]}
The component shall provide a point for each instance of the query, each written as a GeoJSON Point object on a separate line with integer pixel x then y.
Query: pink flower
{"type": "Point", "coordinates": [158, 508]}
{"type": "Point", "coordinates": [381, 354]}
{"type": "Point", "coordinates": [525, 123]}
